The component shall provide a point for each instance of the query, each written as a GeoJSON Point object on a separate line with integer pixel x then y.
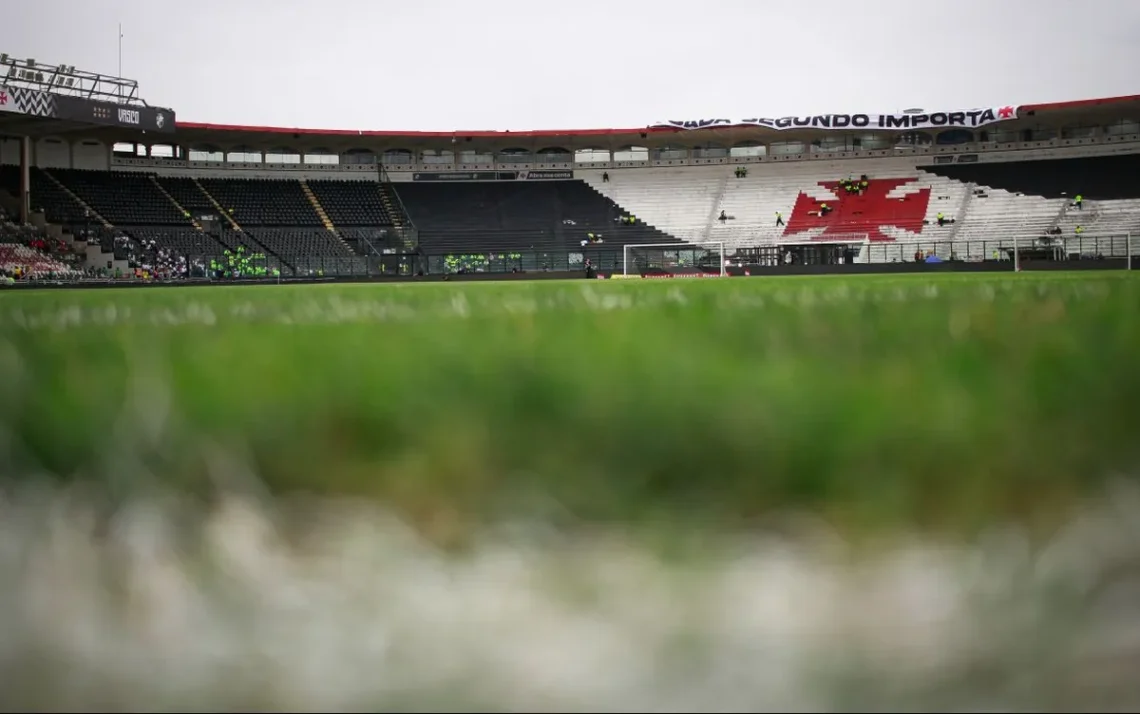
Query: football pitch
{"type": "Point", "coordinates": [744, 494]}
{"type": "Point", "coordinates": [914, 400]}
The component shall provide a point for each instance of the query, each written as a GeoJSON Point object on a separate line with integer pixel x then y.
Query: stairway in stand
{"type": "Point", "coordinates": [400, 222]}
{"type": "Point", "coordinates": [251, 239]}
{"type": "Point", "coordinates": [193, 221]}
{"type": "Point", "coordinates": [214, 202]}
{"type": "Point", "coordinates": [322, 214]}
{"type": "Point", "coordinates": [90, 211]}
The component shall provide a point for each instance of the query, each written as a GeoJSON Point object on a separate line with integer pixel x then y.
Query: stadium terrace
{"type": "Point", "coordinates": [98, 187]}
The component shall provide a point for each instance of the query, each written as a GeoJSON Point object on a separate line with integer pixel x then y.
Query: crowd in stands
{"type": "Point", "coordinates": [240, 263]}
{"type": "Point", "coordinates": [150, 261]}
{"type": "Point", "coordinates": [28, 253]}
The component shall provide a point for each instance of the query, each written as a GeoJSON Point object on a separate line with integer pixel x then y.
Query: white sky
{"type": "Point", "coordinates": [444, 65]}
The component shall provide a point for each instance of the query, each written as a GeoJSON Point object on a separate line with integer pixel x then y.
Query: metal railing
{"type": "Point", "coordinates": [1015, 253]}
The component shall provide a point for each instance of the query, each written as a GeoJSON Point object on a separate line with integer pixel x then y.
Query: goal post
{"type": "Point", "coordinates": [668, 259]}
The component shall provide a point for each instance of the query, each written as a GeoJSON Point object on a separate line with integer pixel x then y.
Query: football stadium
{"type": "Point", "coordinates": [791, 413]}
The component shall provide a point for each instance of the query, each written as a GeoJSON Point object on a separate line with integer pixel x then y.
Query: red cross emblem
{"type": "Point", "coordinates": [1005, 113]}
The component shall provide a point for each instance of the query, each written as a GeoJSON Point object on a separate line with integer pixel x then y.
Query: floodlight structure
{"type": "Point", "coordinates": [67, 80]}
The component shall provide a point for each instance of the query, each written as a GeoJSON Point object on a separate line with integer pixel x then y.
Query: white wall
{"type": "Point", "coordinates": [89, 154]}
{"type": "Point", "coordinates": [52, 153]}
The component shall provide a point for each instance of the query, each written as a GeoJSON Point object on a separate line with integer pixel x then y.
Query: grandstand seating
{"type": "Point", "coordinates": [367, 241]}
{"type": "Point", "coordinates": [183, 241]}
{"type": "Point", "coordinates": [122, 198]}
{"type": "Point", "coordinates": [263, 202]}
{"type": "Point", "coordinates": [1109, 185]}
{"type": "Point", "coordinates": [58, 206]}
{"type": "Point", "coordinates": [517, 216]}
{"type": "Point", "coordinates": [1094, 177]}
{"type": "Point", "coordinates": [992, 201]}
{"type": "Point", "coordinates": [186, 192]}
{"type": "Point", "coordinates": [687, 202]}
{"type": "Point", "coordinates": [991, 206]}
{"type": "Point", "coordinates": [310, 242]}
{"type": "Point", "coordinates": [37, 264]}
{"type": "Point", "coordinates": [351, 204]}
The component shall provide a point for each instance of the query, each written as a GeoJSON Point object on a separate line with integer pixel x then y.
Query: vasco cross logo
{"type": "Point", "coordinates": [867, 213]}
{"type": "Point", "coordinates": [159, 119]}
{"type": "Point", "coordinates": [3, 98]}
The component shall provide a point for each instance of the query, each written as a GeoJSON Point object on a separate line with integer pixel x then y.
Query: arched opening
{"type": "Point", "coordinates": [954, 136]}
{"type": "Point", "coordinates": [206, 153]}
{"type": "Point", "coordinates": [244, 155]}
{"type": "Point", "coordinates": [632, 153]}
{"type": "Point", "coordinates": [321, 157]}
{"type": "Point", "coordinates": [555, 155]}
{"type": "Point", "coordinates": [282, 155]}
{"type": "Point", "coordinates": [438, 157]}
{"type": "Point", "coordinates": [748, 150]}
{"type": "Point", "coordinates": [1122, 127]}
{"type": "Point", "coordinates": [710, 150]}
{"type": "Point", "coordinates": [584, 156]}
{"type": "Point", "coordinates": [516, 155]}
{"type": "Point", "coordinates": [398, 157]}
{"type": "Point", "coordinates": [785, 148]}
{"type": "Point", "coordinates": [356, 157]}
{"type": "Point", "coordinates": [912, 139]}
{"type": "Point", "coordinates": [476, 156]}
{"type": "Point", "coordinates": [669, 152]}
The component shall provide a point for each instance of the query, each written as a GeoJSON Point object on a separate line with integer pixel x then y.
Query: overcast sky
{"type": "Point", "coordinates": [512, 64]}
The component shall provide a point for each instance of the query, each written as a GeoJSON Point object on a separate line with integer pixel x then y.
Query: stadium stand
{"type": "Point", "coordinates": [979, 202]}
{"type": "Point", "coordinates": [122, 198]}
{"type": "Point", "coordinates": [186, 193]}
{"type": "Point", "coordinates": [518, 216]}
{"type": "Point", "coordinates": [23, 252]}
{"type": "Point", "coordinates": [48, 196]}
{"type": "Point", "coordinates": [31, 263]}
{"type": "Point", "coordinates": [900, 202]}
{"type": "Point", "coordinates": [274, 203]}
{"type": "Point", "coordinates": [339, 226]}
{"type": "Point", "coordinates": [1032, 197]}
{"type": "Point", "coordinates": [352, 204]}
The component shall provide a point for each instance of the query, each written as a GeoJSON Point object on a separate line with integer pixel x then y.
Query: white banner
{"type": "Point", "coordinates": [970, 119]}
{"type": "Point", "coordinates": [17, 100]}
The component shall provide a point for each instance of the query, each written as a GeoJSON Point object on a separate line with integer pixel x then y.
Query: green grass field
{"type": "Point", "coordinates": [938, 402]}
{"type": "Point", "coordinates": [804, 494]}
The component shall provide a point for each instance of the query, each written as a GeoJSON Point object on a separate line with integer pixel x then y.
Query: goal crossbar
{"type": "Point", "coordinates": [714, 247]}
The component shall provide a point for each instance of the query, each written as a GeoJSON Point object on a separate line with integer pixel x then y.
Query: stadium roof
{"type": "Point", "coordinates": [198, 130]}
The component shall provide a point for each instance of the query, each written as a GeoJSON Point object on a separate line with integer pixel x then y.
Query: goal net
{"type": "Point", "coordinates": [674, 260]}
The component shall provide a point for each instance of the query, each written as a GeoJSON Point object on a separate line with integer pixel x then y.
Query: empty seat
{"type": "Point", "coordinates": [46, 195]}
{"type": "Point", "coordinates": [352, 203]}
{"type": "Point", "coordinates": [122, 198]}
{"type": "Point", "coordinates": [263, 202]}
{"type": "Point", "coordinates": [518, 216]}
{"type": "Point", "coordinates": [293, 243]}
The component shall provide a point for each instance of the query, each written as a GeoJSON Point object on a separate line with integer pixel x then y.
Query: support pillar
{"type": "Point", "coordinates": [25, 179]}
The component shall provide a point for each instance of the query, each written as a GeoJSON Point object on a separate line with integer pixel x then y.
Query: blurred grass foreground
{"type": "Point", "coordinates": [723, 495]}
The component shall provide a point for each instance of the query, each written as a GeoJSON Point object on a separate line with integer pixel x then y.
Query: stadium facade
{"type": "Point", "coordinates": [978, 188]}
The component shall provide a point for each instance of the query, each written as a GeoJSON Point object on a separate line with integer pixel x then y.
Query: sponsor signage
{"type": "Point", "coordinates": [670, 276]}
{"type": "Point", "coordinates": [543, 175]}
{"type": "Point", "coordinates": [546, 175]}
{"type": "Point", "coordinates": [127, 116]}
{"type": "Point", "coordinates": [465, 176]}
{"type": "Point", "coordinates": [905, 121]}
